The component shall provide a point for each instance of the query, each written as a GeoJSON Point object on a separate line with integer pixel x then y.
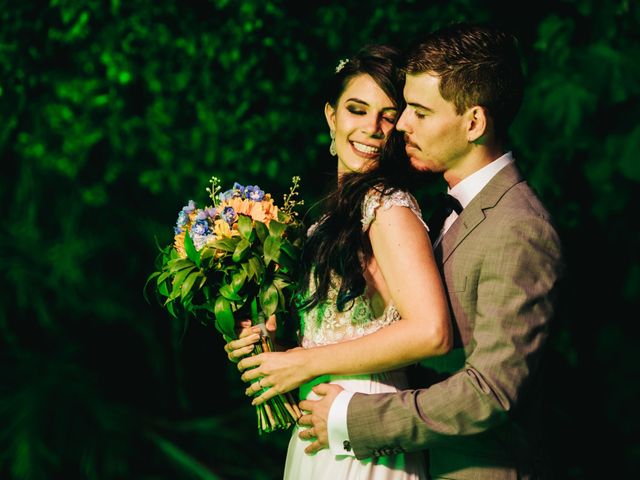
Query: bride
{"type": "Point", "coordinates": [373, 300]}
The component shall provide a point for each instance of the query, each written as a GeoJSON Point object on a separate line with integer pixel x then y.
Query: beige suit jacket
{"type": "Point", "coordinates": [500, 260]}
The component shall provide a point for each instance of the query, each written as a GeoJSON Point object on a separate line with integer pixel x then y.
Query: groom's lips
{"type": "Point", "coordinates": [410, 144]}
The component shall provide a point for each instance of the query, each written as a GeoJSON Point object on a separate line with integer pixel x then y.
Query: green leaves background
{"type": "Point", "coordinates": [114, 113]}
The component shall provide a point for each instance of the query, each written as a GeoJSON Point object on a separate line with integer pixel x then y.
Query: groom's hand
{"type": "Point", "coordinates": [317, 417]}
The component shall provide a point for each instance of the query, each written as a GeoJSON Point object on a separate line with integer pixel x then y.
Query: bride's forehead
{"type": "Point", "coordinates": [364, 88]}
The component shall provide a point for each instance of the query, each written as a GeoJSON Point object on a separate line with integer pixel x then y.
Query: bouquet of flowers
{"type": "Point", "coordinates": [232, 260]}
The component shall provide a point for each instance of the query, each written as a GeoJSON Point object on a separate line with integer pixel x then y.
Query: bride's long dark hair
{"type": "Point", "coordinates": [338, 245]}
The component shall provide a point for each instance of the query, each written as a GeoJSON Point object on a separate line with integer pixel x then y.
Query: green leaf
{"type": "Point", "coordinates": [262, 231]}
{"type": "Point", "coordinates": [245, 226]}
{"type": "Point", "coordinates": [163, 277]}
{"type": "Point", "coordinates": [237, 281]}
{"type": "Point", "coordinates": [271, 249]}
{"type": "Point", "coordinates": [146, 284]}
{"type": "Point", "coordinates": [207, 252]}
{"type": "Point", "coordinates": [190, 248]}
{"type": "Point", "coordinates": [227, 292]}
{"type": "Point", "coordinates": [276, 228]}
{"type": "Point", "coordinates": [188, 283]}
{"type": "Point", "coordinates": [163, 289]}
{"type": "Point", "coordinates": [287, 263]}
{"type": "Point", "coordinates": [269, 300]}
{"type": "Point", "coordinates": [225, 322]}
{"type": "Point", "coordinates": [226, 244]}
{"type": "Point", "coordinates": [172, 311]}
{"type": "Point", "coordinates": [241, 250]}
{"type": "Point", "coordinates": [257, 267]}
{"type": "Point", "coordinates": [178, 264]}
{"type": "Point", "coordinates": [181, 275]}
{"type": "Point", "coordinates": [291, 250]}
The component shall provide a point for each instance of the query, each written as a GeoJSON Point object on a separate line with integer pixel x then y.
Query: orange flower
{"type": "Point", "coordinates": [178, 244]}
{"type": "Point", "coordinates": [222, 229]}
{"type": "Point", "coordinates": [264, 211]}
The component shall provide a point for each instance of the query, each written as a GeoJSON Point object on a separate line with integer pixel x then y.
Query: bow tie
{"type": "Point", "coordinates": [445, 204]}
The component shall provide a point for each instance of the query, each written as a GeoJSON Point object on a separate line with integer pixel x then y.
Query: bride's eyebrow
{"type": "Point", "coordinates": [362, 102]}
{"type": "Point", "coordinates": [357, 100]}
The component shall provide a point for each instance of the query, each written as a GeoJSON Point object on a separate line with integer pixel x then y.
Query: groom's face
{"type": "Point", "coordinates": [435, 135]}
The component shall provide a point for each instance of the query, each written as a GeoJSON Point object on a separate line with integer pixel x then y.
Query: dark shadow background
{"type": "Point", "coordinates": [116, 113]}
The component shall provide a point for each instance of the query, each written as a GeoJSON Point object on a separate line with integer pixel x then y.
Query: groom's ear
{"type": "Point", "coordinates": [330, 114]}
{"type": "Point", "coordinates": [477, 123]}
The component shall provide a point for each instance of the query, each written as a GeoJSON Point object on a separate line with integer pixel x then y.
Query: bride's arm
{"type": "Point", "coordinates": [403, 252]}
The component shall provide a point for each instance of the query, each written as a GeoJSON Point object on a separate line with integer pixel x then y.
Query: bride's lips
{"type": "Point", "coordinates": [364, 150]}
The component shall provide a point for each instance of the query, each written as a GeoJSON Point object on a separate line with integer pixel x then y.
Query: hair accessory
{"type": "Point", "coordinates": [341, 64]}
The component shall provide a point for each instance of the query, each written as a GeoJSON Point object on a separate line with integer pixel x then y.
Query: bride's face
{"type": "Point", "coordinates": [362, 120]}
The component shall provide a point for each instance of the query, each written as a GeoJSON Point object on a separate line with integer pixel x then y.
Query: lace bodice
{"type": "Point", "coordinates": [324, 324]}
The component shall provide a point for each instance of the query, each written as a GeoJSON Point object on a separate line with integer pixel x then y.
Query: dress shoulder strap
{"type": "Point", "coordinates": [377, 198]}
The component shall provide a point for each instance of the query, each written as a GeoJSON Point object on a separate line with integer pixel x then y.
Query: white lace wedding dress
{"type": "Point", "coordinates": [323, 325]}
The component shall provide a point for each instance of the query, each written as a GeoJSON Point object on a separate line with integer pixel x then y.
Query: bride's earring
{"type": "Point", "coordinates": [332, 147]}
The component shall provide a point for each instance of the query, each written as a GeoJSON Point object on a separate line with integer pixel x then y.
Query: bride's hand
{"type": "Point", "coordinates": [278, 372]}
{"type": "Point", "coordinates": [248, 336]}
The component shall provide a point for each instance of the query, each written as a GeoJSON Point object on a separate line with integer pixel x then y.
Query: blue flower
{"type": "Point", "coordinates": [254, 193]}
{"type": "Point", "coordinates": [183, 219]}
{"type": "Point", "coordinates": [177, 230]}
{"type": "Point", "coordinates": [229, 214]}
{"type": "Point", "coordinates": [199, 241]}
{"type": "Point", "coordinates": [190, 207]}
{"type": "Point", "coordinates": [210, 212]}
{"type": "Point", "coordinates": [239, 188]}
{"type": "Point", "coordinates": [202, 215]}
{"type": "Point", "coordinates": [200, 227]}
{"type": "Point", "coordinates": [228, 195]}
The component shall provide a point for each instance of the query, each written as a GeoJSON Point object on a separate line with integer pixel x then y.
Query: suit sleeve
{"type": "Point", "coordinates": [515, 287]}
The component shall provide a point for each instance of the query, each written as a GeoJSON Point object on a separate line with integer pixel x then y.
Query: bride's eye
{"type": "Point", "coordinates": [356, 111]}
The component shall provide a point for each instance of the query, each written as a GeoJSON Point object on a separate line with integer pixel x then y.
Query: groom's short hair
{"type": "Point", "coordinates": [477, 65]}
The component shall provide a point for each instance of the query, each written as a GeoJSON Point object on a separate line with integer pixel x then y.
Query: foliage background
{"type": "Point", "coordinates": [115, 113]}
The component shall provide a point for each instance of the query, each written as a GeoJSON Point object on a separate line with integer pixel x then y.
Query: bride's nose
{"type": "Point", "coordinates": [373, 127]}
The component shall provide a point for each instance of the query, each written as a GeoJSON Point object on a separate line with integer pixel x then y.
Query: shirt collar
{"type": "Point", "coordinates": [468, 188]}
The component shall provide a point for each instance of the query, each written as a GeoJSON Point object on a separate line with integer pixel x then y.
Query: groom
{"type": "Point", "coordinates": [500, 259]}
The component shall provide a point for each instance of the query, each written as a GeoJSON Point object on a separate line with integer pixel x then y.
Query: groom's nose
{"type": "Point", "coordinates": [401, 124]}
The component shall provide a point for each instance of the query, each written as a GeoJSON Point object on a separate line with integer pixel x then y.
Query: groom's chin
{"type": "Point", "coordinates": [418, 168]}
{"type": "Point", "coordinates": [420, 176]}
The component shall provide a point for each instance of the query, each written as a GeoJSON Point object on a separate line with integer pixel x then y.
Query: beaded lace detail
{"type": "Point", "coordinates": [398, 198]}
{"type": "Point", "coordinates": [324, 324]}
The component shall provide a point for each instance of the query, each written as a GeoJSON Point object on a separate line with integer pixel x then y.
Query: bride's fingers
{"type": "Point", "coordinates": [250, 375]}
{"type": "Point", "coordinates": [242, 342]}
{"type": "Point", "coordinates": [264, 396]}
{"type": "Point", "coordinates": [250, 362]}
{"type": "Point", "coordinates": [237, 354]}
{"type": "Point", "coordinates": [271, 323]}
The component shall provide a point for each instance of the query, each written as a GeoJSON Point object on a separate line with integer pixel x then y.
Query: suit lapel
{"type": "Point", "coordinates": [474, 213]}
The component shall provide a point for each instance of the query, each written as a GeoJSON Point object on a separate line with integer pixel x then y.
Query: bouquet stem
{"type": "Point", "coordinates": [280, 412]}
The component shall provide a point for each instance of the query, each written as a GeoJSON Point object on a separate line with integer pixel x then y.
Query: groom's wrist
{"type": "Point", "coordinates": [339, 441]}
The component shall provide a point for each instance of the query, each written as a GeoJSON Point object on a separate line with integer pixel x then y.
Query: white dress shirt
{"type": "Point", "coordinates": [464, 192]}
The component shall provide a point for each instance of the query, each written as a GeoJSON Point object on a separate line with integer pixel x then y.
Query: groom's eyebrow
{"type": "Point", "coordinates": [422, 107]}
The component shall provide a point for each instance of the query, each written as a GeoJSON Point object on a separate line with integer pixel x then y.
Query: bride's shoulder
{"type": "Point", "coordinates": [381, 197]}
